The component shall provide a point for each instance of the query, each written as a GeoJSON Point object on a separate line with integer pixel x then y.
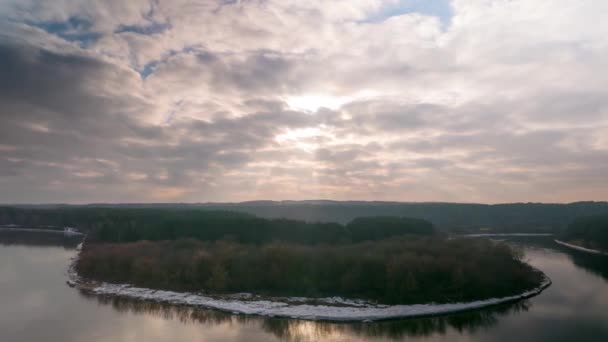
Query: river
{"type": "Point", "coordinates": [36, 304]}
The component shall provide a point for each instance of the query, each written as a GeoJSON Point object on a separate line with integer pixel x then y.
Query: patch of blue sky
{"type": "Point", "coordinates": [149, 68]}
{"type": "Point", "coordinates": [438, 8]}
{"type": "Point", "coordinates": [75, 29]}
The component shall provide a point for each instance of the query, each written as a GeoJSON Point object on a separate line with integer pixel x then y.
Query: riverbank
{"type": "Point", "coordinates": [324, 309]}
{"type": "Point", "coordinates": [327, 309]}
{"type": "Point", "coordinates": [398, 271]}
{"type": "Point", "coordinates": [34, 230]}
{"type": "Point", "coordinates": [575, 300]}
{"type": "Point", "coordinates": [580, 248]}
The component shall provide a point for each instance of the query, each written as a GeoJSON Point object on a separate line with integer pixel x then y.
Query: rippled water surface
{"type": "Point", "coordinates": [37, 305]}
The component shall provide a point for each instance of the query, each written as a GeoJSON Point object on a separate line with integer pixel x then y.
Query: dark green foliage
{"type": "Point", "coordinates": [129, 225]}
{"type": "Point", "coordinates": [464, 217]}
{"type": "Point", "coordinates": [456, 217]}
{"type": "Point", "coordinates": [222, 252]}
{"type": "Point", "coordinates": [399, 270]}
{"type": "Point", "coordinates": [381, 227]}
{"type": "Point", "coordinates": [590, 232]}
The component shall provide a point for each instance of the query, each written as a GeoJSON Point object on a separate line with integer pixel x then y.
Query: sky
{"type": "Point", "coordinates": [486, 101]}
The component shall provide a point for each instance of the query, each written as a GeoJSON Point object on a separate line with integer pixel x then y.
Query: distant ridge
{"type": "Point", "coordinates": [457, 217]}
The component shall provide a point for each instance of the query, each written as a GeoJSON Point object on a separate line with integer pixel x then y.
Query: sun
{"type": "Point", "coordinates": [306, 139]}
{"type": "Point", "coordinates": [312, 103]}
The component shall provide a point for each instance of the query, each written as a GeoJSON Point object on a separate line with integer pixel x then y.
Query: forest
{"type": "Point", "coordinates": [389, 259]}
{"type": "Point", "coordinates": [590, 232]}
{"type": "Point", "coordinates": [448, 217]}
{"type": "Point", "coordinates": [129, 225]}
{"type": "Point", "coordinates": [399, 270]}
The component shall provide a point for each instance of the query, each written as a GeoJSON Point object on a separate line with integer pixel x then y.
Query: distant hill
{"type": "Point", "coordinates": [537, 217]}
{"type": "Point", "coordinates": [445, 216]}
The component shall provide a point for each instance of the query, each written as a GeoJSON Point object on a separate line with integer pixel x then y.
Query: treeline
{"type": "Point", "coordinates": [129, 225]}
{"type": "Point", "coordinates": [157, 225]}
{"type": "Point", "coordinates": [591, 232]}
{"type": "Point", "coordinates": [58, 217]}
{"type": "Point", "coordinates": [394, 271]}
{"type": "Point", "coordinates": [453, 217]}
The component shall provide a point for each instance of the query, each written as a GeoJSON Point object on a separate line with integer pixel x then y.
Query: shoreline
{"type": "Point", "coordinates": [332, 309]}
{"type": "Point", "coordinates": [36, 230]}
{"type": "Point", "coordinates": [505, 234]}
{"type": "Point", "coordinates": [580, 248]}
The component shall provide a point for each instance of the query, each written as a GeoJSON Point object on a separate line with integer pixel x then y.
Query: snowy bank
{"type": "Point", "coordinates": [329, 309]}
{"type": "Point", "coordinates": [579, 248]}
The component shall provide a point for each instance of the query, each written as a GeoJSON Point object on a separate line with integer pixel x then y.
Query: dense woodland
{"type": "Point", "coordinates": [452, 217]}
{"type": "Point", "coordinates": [129, 225]}
{"type": "Point", "coordinates": [389, 259]}
{"type": "Point", "coordinates": [411, 269]}
{"type": "Point", "coordinates": [591, 232]}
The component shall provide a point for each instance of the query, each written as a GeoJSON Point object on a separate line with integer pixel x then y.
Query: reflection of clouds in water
{"type": "Point", "coordinates": [157, 322]}
{"type": "Point", "coordinates": [34, 301]}
{"type": "Point", "coordinates": [8, 272]}
{"type": "Point", "coordinates": [39, 257]}
{"type": "Point", "coordinates": [590, 288]}
{"type": "Point", "coordinates": [296, 330]}
{"type": "Point", "coordinates": [573, 308]}
{"type": "Point", "coordinates": [556, 301]}
{"type": "Point", "coordinates": [577, 286]}
{"type": "Point", "coordinates": [30, 291]}
{"type": "Point", "coordinates": [595, 264]}
{"type": "Point", "coordinates": [37, 305]}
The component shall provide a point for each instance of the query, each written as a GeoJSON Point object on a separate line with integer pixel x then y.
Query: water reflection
{"type": "Point", "coordinates": [469, 322]}
{"type": "Point", "coordinates": [596, 264]}
{"type": "Point", "coordinates": [298, 330]}
{"type": "Point", "coordinates": [37, 305]}
{"type": "Point", "coordinates": [9, 238]}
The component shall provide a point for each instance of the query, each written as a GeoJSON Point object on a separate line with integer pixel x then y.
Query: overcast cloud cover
{"type": "Point", "coordinates": [199, 100]}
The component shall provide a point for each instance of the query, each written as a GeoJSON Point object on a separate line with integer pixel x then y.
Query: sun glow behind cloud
{"type": "Point", "coordinates": [312, 103]}
{"type": "Point", "coordinates": [306, 139]}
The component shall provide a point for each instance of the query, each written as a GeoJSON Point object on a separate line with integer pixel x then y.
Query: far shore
{"type": "Point", "coordinates": [36, 230]}
{"type": "Point", "coordinates": [580, 248]}
{"type": "Point", "coordinates": [505, 234]}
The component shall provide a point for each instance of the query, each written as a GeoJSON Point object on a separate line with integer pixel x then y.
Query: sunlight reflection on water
{"type": "Point", "coordinates": [37, 304]}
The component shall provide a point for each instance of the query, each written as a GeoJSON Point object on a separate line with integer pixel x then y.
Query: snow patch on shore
{"type": "Point", "coordinates": [326, 309]}
{"type": "Point", "coordinates": [330, 309]}
{"type": "Point", "coordinates": [579, 248]}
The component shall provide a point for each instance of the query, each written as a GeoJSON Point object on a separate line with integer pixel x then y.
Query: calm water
{"type": "Point", "coordinates": [37, 305]}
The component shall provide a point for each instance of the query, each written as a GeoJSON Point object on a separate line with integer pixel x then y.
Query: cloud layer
{"type": "Point", "coordinates": [199, 100]}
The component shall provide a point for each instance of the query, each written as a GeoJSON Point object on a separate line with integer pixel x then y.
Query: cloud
{"type": "Point", "coordinates": [200, 100]}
